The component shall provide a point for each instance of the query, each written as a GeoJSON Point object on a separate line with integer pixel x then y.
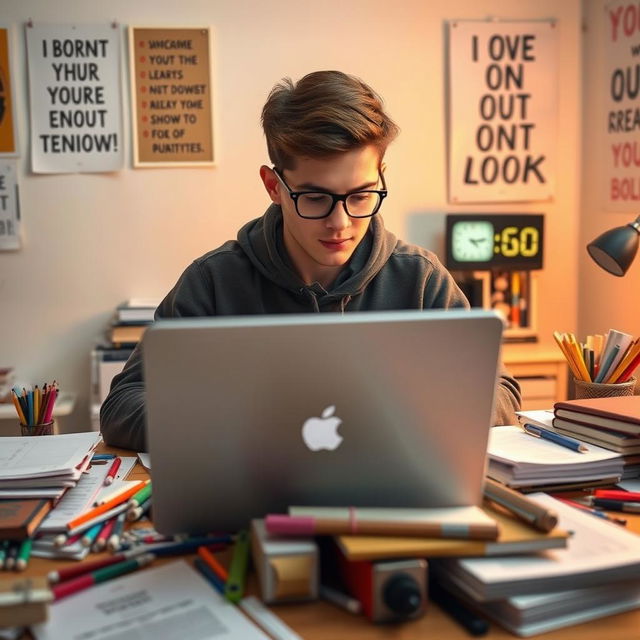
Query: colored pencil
{"type": "Point", "coordinates": [212, 561]}
{"type": "Point", "coordinates": [96, 511]}
{"type": "Point", "coordinates": [84, 581]}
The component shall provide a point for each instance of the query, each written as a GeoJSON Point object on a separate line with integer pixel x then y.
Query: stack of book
{"type": "Point", "coordinates": [596, 575]}
{"type": "Point", "coordinates": [131, 319]}
{"type": "Point", "coordinates": [532, 464]}
{"type": "Point", "coordinates": [610, 423]}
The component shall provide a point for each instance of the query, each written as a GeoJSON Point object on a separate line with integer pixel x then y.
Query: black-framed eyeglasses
{"type": "Point", "coordinates": [319, 204]}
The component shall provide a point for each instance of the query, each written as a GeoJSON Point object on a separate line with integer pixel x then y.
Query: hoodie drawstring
{"type": "Point", "coordinates": [313, 297]}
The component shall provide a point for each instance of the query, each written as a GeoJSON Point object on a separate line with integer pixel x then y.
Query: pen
{"type": "Point", "coordinates": [113, 469]}
{"type": "Point", "coordinates": [617, 494]}
{"type": "Point", "coordinates": [593, 512]}
{"type": "Point", "coordinates": [616, 505]}
{"type": "Point", "coordinates": [563, 441]}
{"type": "Point", "coordinates": [140, 496]}
{"type": "Point", "coordinates": [102, 456]}
{"type": "Point", "coordinates": [113, 543]}
{"type": "Point", "coordinates": [342, 600]}
{"type": "Point", "coordinates": [531, 512]}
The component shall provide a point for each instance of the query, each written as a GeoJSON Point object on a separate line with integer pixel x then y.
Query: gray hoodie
{"type": "Point", "coordinates": [253, 275]}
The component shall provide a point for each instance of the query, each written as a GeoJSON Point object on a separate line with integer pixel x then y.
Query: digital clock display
{"type": "Point", "coordinates": [480, 241]}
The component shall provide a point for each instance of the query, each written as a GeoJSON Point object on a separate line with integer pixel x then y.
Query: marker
{"type": "Point", "coordinates": [90, 536]}
{"type": "Point", "coordinates": [102, 456]}
{"type": "Point", "coordinates": [616, 505]}
{"type": "Point", "coordinates": [73, 571]}
{"type": "Point", "coordinates": [100, 543]}
{"type": "Point", "coordinates": [209, 575]}
{"type": "Point", "coordinates": [234, 586]}
{"type": "Point", "coordinates": [113, 543]}
{"type": "Point", "coordinates": [140, 496]}
{"type": "Point", "coordinates": [340, 599]}
{"type": "Point", "coordinates": [552, 436]}
{"type": "Point", "coordinates": [186, 546]}
{"type": "Point", "coordinates": [264, 618]}
{"type": "Point", "coordinates": [12, 555]}
{"type": "Point", "coordinates": [24, 553]}
{"type": "Point", "coordinates": [137, 512]}
{"type": "Point", "coordinates": [213, 563]}
{"type": "Point", "coordinates": [113, 469]}
{"type": "Point", "coordinates": [617, 494]}
{"type": "Point", "coordinates": [82, 582]}
{"type": "Point", "coordinates": [531, 512]}
{"type": "Point", "coordinates": [593, 512]}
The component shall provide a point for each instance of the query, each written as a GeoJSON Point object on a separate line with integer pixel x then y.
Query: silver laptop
{"type": "Point", "coordinates": [248, 415]}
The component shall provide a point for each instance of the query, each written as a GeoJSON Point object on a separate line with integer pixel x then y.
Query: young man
{"type": "Point", "coordinates": [321, 246]}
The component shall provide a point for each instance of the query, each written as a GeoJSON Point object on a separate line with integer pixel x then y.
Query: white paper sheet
{"type": "Point", "coordinates": [168, 602]}
{"type": "Point", "coordinates": [39, 456]}
{"type": "Point", "coordinates": [145, 460]}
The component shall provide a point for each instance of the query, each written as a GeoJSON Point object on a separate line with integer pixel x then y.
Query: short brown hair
{"type": "Point", "coordinates": [324, 113]}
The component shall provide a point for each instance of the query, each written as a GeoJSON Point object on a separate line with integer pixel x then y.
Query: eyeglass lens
{"type": "Point", "coordinates": [317, 205]}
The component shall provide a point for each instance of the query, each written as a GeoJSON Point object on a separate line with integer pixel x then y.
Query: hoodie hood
{"type": "Point", "coordinates": [262, 242]}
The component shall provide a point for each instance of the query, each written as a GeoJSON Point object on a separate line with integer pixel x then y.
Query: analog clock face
{"type": "Point", "coordinates": [472, 241]}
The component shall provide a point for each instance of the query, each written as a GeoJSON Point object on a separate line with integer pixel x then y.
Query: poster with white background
{"type": "Point", "coordinates": [75, 98]}
{"type": "Point", "coordinates": [503, 111]}
{"type": "Point", "coordinates": [621, 88]}
{"type": "Point", "coordinates": [9, 207]}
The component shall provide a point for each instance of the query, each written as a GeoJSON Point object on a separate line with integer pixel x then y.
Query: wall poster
{"type": "Point", "coordinates": [8, 136]}
{"type": "Point", "coordinates": [10, 238]}
{"type": "Point", "coordinates": [622, 112]}
{"type": "Point", "coordinates": [502, 111]}
{"type": "Point", "coordinates": [75, 98]}
{"type": "Point", "coordinates": [171, 89]}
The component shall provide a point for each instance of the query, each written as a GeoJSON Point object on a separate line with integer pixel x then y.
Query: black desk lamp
{"type": "Point", "coordinates": [614, 250]}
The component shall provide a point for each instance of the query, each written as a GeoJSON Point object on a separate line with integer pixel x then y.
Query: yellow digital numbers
{"type": "Point", "coordinates": [513, 242]}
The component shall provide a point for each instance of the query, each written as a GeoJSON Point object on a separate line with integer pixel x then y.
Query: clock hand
{"type": "Point", "coordinates": [477, 241]}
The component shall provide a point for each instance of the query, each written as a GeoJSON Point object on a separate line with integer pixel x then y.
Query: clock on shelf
{"type": "Point", "coordinates": [494, 241]}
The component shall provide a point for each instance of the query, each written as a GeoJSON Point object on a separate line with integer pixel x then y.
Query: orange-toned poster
{"type": "Point", "coordinates": [171, 88]}
{"type": "Point", "coordinates": [7, 120]}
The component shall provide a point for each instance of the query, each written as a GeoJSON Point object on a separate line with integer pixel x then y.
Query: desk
{"type": "Point", "coordinates": [541, 371]}
{"type": "Point", "coordinates": [63, 407]}
{"type": "Point", "coordinates": [321, 621]}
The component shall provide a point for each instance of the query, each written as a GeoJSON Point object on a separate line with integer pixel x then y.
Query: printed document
{"type": "Point", "coordinates": [171, 602]}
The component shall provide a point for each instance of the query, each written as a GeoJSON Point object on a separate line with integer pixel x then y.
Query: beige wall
{"type": "Point", "coordinates": [93, 240]}
{"type": "Point", "coordinates": [605, 301]}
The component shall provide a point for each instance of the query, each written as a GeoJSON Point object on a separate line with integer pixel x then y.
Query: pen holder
{"type": "Point", "coordinates": [45, 429]}
{"type": "Point", "coordinates": [601, 390]}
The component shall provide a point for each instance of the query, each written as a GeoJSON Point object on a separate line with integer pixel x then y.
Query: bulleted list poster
{"type": "Point", "coordinates": [172, 96]}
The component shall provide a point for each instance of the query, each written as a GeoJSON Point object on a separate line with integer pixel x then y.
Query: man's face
{"type": "Point", "coordinates": [320, 248]}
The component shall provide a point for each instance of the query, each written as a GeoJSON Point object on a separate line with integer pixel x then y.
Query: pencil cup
{"type": "Point", "coordinates": [45, 429]}
{"type": "Point", "coordinates": [601, 390]}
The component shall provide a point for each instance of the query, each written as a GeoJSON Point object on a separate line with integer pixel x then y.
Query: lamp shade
{"type": "Point", "coordinates": [614, 250]}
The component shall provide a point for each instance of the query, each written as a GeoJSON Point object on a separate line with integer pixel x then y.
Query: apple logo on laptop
{"type": "Point", "coordinates": [322, 433]}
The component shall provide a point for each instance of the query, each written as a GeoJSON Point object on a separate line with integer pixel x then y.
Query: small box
{"type": "Point", "coordinates": [287, 567]}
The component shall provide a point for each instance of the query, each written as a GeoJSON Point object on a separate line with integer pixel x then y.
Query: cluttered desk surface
{"type": "Point", "coordinates": [323, 620]}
